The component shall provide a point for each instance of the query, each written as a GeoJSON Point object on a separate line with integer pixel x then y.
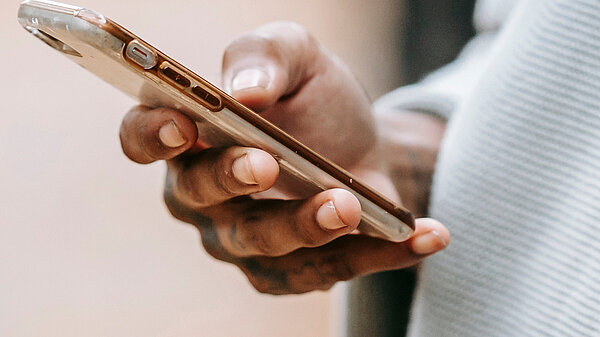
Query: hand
{"type": "Point", "coordinates": [415, 139]}
{"type": "Point", "coordinates": [283, 246]}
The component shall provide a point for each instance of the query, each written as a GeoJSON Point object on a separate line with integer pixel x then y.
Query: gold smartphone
{"type": "Point", "coordinates": [154, 79]}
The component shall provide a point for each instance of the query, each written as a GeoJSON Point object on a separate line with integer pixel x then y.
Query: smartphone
{"type": "Point", "coordinates": [143, 72]}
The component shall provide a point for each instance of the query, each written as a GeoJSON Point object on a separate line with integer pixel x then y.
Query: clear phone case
{"type": "Point", "coordinates": [143, 72]}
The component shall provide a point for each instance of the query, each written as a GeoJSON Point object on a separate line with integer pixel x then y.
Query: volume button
{"type": "Point", "coordinates": [206, 96]}
{"type": "Point", "coordinates": [174, 75]}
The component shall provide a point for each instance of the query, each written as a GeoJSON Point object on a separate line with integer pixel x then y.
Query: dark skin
{"type": "Point", "coordinates": [415, 140]}
{"type": "Point", "coordinates": [282, 246]}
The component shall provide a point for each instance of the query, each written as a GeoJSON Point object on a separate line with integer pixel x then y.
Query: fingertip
{"type": "Point", "coordinates": [249, 79]}
{"type": "Point", "coordinates": [347, 206]}
{"type": "Point", "coordinates": [257, 88]}
{"type": "Point", "coordinates": [177, 129]}
{"type": "Point", "coordinates": [261, 67]}
{"type": "Point", "coordinates": [257, 99]}
{"type": "Point", "coordinates": [262, 168]}
{"type": "Point", "coordinates": [148, 134]}
{"type": "Point", "coordinates": [424, 225]}
{"type": "Point", "coordinates": [430, 237]}
{"type": "Point", "coordinates": [170, 135]}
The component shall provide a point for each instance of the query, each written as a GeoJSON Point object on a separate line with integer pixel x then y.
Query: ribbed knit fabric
{"type": "Point", "coordinates": [518, 185]}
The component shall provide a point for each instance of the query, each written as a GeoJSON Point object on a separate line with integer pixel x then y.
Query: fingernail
{"type": "Point", "coordinates": [250, 78]}
{"type": "Point", "coordinates": [170, 135]}
{"type": "Point", "coordinates": [428, 243]}
{"type": "Point", "coordinates": [242, 170]}
{"type": "Point", "coordinates": [328, 217]}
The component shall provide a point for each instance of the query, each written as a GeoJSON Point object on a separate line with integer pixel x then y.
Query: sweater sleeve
{"type": "Point", "coordinates": [443, 91]}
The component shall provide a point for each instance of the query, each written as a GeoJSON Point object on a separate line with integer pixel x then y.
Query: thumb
{"type": "Point", "coordinates": [268, 63]}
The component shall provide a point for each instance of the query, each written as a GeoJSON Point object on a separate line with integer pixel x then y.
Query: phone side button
{"type": "Point", "coordinates": [172, 74]}
{"type": "Point", "coordinates": [206, 96]}
{"type": "Point", "coordinates": [140, 54]}
{"type": "Point", "coordinates": [213, 100]}
{"type": "Point", "coordinates": [200, 92]}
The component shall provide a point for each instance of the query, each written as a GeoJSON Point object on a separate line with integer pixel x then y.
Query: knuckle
{"type": "Point", "coordinates": [207, 179]}
{"type": "Point", "coordinates": [265, 285]}
{"type": "Point", "coordinates": [174, 206]}
{"type": "Point", "coordinates": [126, 145]}
{"type": "Point", "coordinates": [333, 268]}
{"type": "Point", "coordinates": [266, 279]}
{"type": "Point", "coordinates": [151, 146]}
{"type": "Point", "coordinates": [123, 134]}
{"type": "Point", "coordinates": [180, 210]}
{"type": "Point", "coordinates": [211, 242]}
{"type": "Point", "coordinates": [129, 119]}
{"type": "Point", "coordinates": [261, 244]}
{"type": "Point", "coordinates": [223, 179]}
{"type": "Point", "coordinates": [131, 148]}
{"type": "Point", "coordinates": [185, 214]}
{"type": "Point", "coordinates": [134, 138]}
{"type": "Point", "coordinates": [189, 186]}
{"type": "Point", "coordinates": [255, 276]}
{"type": "Point", "coordinates": [248, 40]}
{"type": "Point", "coordinates": [222, 173]}
{"type": "Point", "coordinates": [294, 31]}
{"type": "Point", "coordinates": [307, 231]}
{"type": "Point", "coordinates": [299, 30]}
{"type": "Point", "coordinates": [309, 238]}
{"type": "Point", "coordinates": [252, 43]}
{"type": "Point", "coordinates": [287, 28]}
{"type": "Point", "coordinates": [343, 271]}
{"type": "Point", "coordinates": [259, 241]}
{"type": "Point", "coordinates": [211, 246]}
{"type": "Point", "coordinates": [262, 287]}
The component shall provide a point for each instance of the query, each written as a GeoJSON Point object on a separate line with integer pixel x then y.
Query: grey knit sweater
{"type": "Point", "coordinates": [518, 185]}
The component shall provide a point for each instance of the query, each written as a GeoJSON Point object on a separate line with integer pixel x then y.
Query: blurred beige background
{"type": "Point", "coordinates": [86, 246]}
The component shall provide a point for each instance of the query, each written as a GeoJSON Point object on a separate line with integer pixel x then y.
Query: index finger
{"type": "Point", "coordinates": [149, 134]}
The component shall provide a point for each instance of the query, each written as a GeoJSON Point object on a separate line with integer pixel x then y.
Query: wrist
{"type": "Point", "coordinates": [410, 142]}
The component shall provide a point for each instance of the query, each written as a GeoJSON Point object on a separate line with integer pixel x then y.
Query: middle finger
{"type": "Point", "coordinates": [249, 227]}
{"type": "Point", "coordinates": [219, 174]}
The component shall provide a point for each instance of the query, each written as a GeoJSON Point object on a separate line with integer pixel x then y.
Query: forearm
{"type": "Point", "coordinates": [410, 142]}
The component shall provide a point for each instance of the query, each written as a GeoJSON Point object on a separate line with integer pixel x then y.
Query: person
{"type": "Point", "coordinates": [516, 177]}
